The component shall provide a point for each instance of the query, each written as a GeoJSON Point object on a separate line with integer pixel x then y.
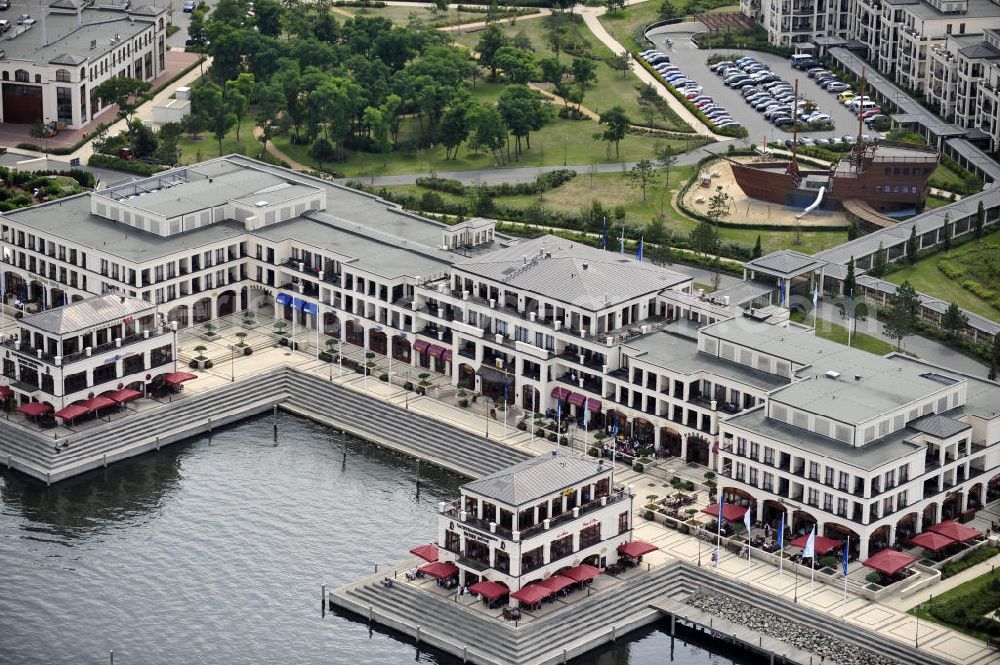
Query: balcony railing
{"type": "Point", "coordinates": [49, 359]}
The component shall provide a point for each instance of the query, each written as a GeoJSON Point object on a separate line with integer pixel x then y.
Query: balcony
{"type": "Point", "coordinates": [68, 359]}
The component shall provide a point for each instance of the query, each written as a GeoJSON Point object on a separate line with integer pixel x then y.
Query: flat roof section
{"type": "Point", "coordinates": [69, 43]}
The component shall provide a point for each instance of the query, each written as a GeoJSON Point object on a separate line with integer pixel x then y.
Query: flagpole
{"type": "Point", "coordinates": [749, 517]}
{"type": "Point", "coordinates": [781, 547]}
{"type": "Point", "coordinates": [718, 530]}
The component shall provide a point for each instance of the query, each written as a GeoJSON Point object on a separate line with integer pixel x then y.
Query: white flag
{"type": "Point", "coordinates": [747, 521]}
{"type": "Point", "coordinates": [809, 551]}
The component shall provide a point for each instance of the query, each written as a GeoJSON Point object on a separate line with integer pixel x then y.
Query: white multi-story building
{"type": "Point", "coordinates": [529, 521]}
{"type": "Point", "coordinates": [99, 344]}
{"type": "Point", "coordinates": [49, 68]}
{"type": "Point", "coordinates": [875, 449]}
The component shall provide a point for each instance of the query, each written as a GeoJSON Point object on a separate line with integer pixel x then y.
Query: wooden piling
{"type": "Point", "coordinates": [105, 460]}
{"type": "Point", "coordinates": [418, 634]}
{"type": "Point", "coordinates": [111, 656]}
{"type": "Point", "coordinates": [673, 624]}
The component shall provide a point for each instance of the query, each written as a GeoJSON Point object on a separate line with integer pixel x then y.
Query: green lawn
{"type": "Point", "coordinates": [946, 178]}
{"type": "Point", "coordinates": [422, 15]}
{"type": "Point", "coordinates": [838, 333]}
{"type": "Point", "coordinates": [978, 260]}
{"type": "Point", "coordinates": [612, 89]}
{"type": "Point", "coordinates": [973, 594]}
{"type": "Point", "coordinates": [206, 147]}
{"type": "Point", "coordinates": [612, 189]}
{"type": "Point", "coordinates": [624, 25]}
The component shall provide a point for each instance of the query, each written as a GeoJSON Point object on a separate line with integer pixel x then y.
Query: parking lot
{"type": "Point", "coordinates": [693, 62]}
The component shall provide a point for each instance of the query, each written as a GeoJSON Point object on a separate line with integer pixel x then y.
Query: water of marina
{"type": "Point", "coordinates": [213, 551]}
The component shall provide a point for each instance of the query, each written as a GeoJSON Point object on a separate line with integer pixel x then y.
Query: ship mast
{"type": "Point", "coordinates": [793, 166]}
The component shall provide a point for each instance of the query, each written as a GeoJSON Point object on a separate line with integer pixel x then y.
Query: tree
{"type": "Point", "coordinates": [705, 238]}
{"type": "Point", "coordinates": [667, 10]}
{"type": "Point", "coordinates": [123, 91]}
{"type": "Point", "coordinates": [758, 250]}
{"type": "Point", "coordinates": [878, 264]}
{"type": "Point", "coordinates": [854, 312]}
{"type": "Point", "coordinates": [221, 123]}
{"type": "Point", "coordinates": [980, 219]}
{"type": "Point", "coordinates": [718, 205]}
{"type": "Point", "coordinates": [640, 176]}
{"type": "Point", "coordinates": [492, 41]}
{"type": "Point", "coordinates": [522, 112]}
{"type": "Point", "coordinates": [946, 231]}
{"type": "Point", "coordinates": [488, 132]}
{"type": "Point", "coordinates": [517, 65]}
{"type": "Point", "coordinates": [455, 127]}
{"type": "Point", "coordinates": [850, 281]}
{"type": "Point", "coordinates": [167, 152]}
{"type": "Point", "coordinates": [621, 62]}
{"type": "Point", "coordinates": [995, 357]}
{"type": "Point", "coordinates": [650, 102]}
{"type": "Point", "coordinates": [854, 230]}
{"type": "Point", "coordinates": [377, 126]}
{"type": "Point", "coordinates": [900, 317]}
{"type": "Point", "coordinates": [239, 92]}
{"type": "Point", "coordinates": [954, 320]}
{"type": "Point", "coordinates": [552, 70]}
{"type": "Point", "coordinates": [269, 101]}
{"type": "Point", "coordinates": [493, 12]}
{"type": "Point", "coordinates": [237, 104]}
{"type": "Point", "coordinates": [584, 74]}
{"type": "Point", "coordinates": [616, 125]}
{"type": "Point", "coordinates": [614, 5]}
{"type": "Point", "coordinates": [911, 246]}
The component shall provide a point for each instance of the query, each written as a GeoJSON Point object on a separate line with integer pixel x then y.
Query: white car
{"type": "Point", "coordinates": [818, 117]}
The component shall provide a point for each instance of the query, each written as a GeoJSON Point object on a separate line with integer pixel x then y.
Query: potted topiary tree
{"type": "Point", "coordinates": [200, 360]}
{"type": "Point", "coordinates": [370, 362]}
{"type": "Point", "coordinates": [249, 319]}
{"type": "Point", "coordinates": [209, 330]}
{"type": "Point", "coordinates": [242, 336]}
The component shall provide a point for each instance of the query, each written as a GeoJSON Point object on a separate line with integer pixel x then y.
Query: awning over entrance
{"type": "Point", "coordinates": [594, 405]}
{"type": "Point", "coordinates": [889, 561]}
{"type": "Point", "coordinates": [72, 412]}
{"type": "Point", "coordinates": [6, 392]}
{"type": "Point", "coordinates": [440, 570]}
{"type": "Point", "coordinates": [426, 552]}
{"type": "Point", "coordinates": [955, 531]}
{"type": "Point", "coordinates": [95, 403]}
{"type": "Point", "coordinates": [34, 409]}
{"type": "Point", "coordinates": [557, 582]}
{"type": "Point", "coordinates": [730, 513]}
{"type": "Point", "coordinates": [532, 594]}
{"type": "Point", "coordinates": [576, 398]}
{"type": "Point", "coordinates": [637, 548]}
{"type": "Point", "coordinates": [436, 351]}
{"type": "Point", "coordinates": [822, 544]}
{"type": "Point", "coordinates": [561, 393]}
{"type": "Point", "coordinates": [446, 356]}
{"type": "Point", "coordinates": [124, 395]}
{"type": "Point", "coordinates": [934, 542]}
{"type": "Point", "coordinates": [421, 345]}
{"type": "Point", "coordinates": [491, 375]}
{"type": "Point", "coordinates": [582, 573]}
{"type": "Point", "coordinates": [489, 590]}
{"type": "Point", "coordinates": [177, 378]}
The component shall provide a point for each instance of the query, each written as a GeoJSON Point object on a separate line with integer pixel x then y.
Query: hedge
{"type": "Point", "coordinates": [755, 40]}
{"type": "Point", "coordinates": [974, 557]}
{"type": "Point", "coordinates": [543, 182]}
{"type": "Point", "coordinates": [733, 132]}
{"type": "Point", "coordinates": [126, 165]}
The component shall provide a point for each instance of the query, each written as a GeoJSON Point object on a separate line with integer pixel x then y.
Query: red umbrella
{"type": "Point", "coordinates": [440, 569]}
{"type": "Point", "coordinates": [532, 594]}
{"type": "Point", "coordinates": [176, 378]}
{"type": "Point", "coordinates": [955, 531]}
{"type": "Point", "coordinates": [426, 552]}
{"type": "Point", "coordinates": [6, 392]}
{"type": "Point", "coordinates": [889, 561]}
{"type": "Point", "coordinates": [730, 513]}
{"type": "Point", "coordinates": [932, 541]}
{"type": "Point", "coordinates": [557, 582]}
{"type": "Point", "coordinates": [637, 548]}
{"type": "Point", "coordinates": [34, 409]}
{"type": "Point", "coordinates": [582, 573]}
{"type": "Point", "coordinates": [490, 590]}
{"type": "Point", "coordinates": [95, 403]}
{"type": "Point", "coordinates": [72, 412]}
{"type": "Point", "coordinates": [124, 395]}
{"type": "Point", "coordinates": [823, 545]}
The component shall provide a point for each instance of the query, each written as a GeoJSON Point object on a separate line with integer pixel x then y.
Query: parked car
{"type": "Point", "coordinates": [189, 6]}
{"type": "Point", "coordinates": [816, 118]}
{"type": "Point", "coordinates": [837, 86]}
{"type": "Point", "coordinates": [4, 5]}
{"type": "Point", "coordinates": [782, 120]}
{"type": "Point", "coordinates": [845, 96]}
{"type": "Point", "coordinates": [25, 19]}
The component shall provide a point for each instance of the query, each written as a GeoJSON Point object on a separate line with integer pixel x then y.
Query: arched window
{"type": "Point", "coordinates": [62, 75]}
{"type": "Point", "coordinates": [38, 78]}
{"type": "Point", "coordinates": [22, 76]}
{"type": "Point", "coordinates": [6, 75]}
{"type": "Point", "coordinates": [83, 73]}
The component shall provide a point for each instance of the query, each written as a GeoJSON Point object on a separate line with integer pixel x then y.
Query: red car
{"type": "Point", "coordinates": [870, 112]}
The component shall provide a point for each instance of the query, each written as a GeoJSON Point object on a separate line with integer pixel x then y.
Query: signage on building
{"type": "Point", "coordinates": [591, 522]}
{"type": "Point", "coordinates": [469, 531]}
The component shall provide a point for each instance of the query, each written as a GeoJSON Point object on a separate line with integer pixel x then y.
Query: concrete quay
{"type": "Point", "coordinates": [581, 622]}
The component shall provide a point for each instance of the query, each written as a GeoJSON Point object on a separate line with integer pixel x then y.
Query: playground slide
{"type": "Point", "coordinates": [814, 205]}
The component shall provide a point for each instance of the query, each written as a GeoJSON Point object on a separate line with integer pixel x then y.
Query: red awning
{"type": "Point", "coordinates": [95, 403]}
{"type": "Point", "coordinates": [426, 552]}
{"type": "Point", "coordinates": [176, 378]}
{"type": "Point", "coordinates": [440, 569]}
{"type": "Point", "coordinates": [730, 513]}
{"type": "Point", "coordinates": [124, 395]}
{"type": "Point", "coordinates": [6, 392]}
{"type": "Point", "coordinates": [34, 409]}
{"type": "Point", "coordinates": [421, 345]}
{"type": "Point", "coordinates": [637, 548]}
{"type": "Point", "coordinates": [72, 412]}
{"type": "Point", "coordinates": [436, 351]}
{"type": "Point", "coordinates": [560, 393]}
{"type": "Point", "coordinates": [955, 531]}
{"type": "Point", "coordinates": [582, 573]}
{"type": "Point", "coordinates": [446, 355]}
{"type": "Point", "coordinates": [823, 545]}
{"type": "Point", "coordinates": [594, 405]}
{"type": "Point", "coordinates": [532, 594]}
{"type": "Point", "coordinates": [932, 541]}
{"type": "Point", "coordinates": [490, 590]}
{"type": "Point", "coordinates": [576, 398]}
{"type": "Point", "coordinates": [557, 582]}
{"type": "Point", "coordinates": [889, 561]}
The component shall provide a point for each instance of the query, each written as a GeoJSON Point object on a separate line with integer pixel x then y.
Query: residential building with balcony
{"type": "Point", "coordinates": [871, 448]}
{"type": "Point", "coordinates": [100, 344]}
{"type": "Point", "coordinates": [529, 521]}
{"type": "Point", "coordinates": [51, 67]}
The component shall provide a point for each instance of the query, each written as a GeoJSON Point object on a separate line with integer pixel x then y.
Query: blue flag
{"type": "Point", "coordinates": [505, 390]}
{"type": "Point", "coordinates": [847, 547]}
{"type": "Point", "coordinates": [781, 534]}
{"type": "Point", "coordinates": [815, 296]}
{"type": "Point", "coordinates": [638, 250]}
{"type": "Point", "coordinates": [558, 411]}
{"type": "Point", "coordinates": [614, 426]}
{"type": "Point", "coordinates": [604, 234]}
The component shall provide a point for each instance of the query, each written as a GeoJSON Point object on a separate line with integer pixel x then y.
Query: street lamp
{"type": "Point", "coordinates": [232, 363]}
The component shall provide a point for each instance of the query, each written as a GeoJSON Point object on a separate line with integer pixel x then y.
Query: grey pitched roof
{"type": "Point", "coordinates": [939, 426]}
{"type": "Point", "coordinates": [536, 478]}
{"type": "Point", "coordinates": [573, 273]}
{"type": "Point", "coordinates": [67, 59]}
{"type": "Point", "coordinates": [785, 262]}
{"type": "Point", "coordinates": [89, 313]}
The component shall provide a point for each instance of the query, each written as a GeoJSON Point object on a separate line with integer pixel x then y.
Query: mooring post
{"type": "Point", "coordinates": [274, 419]}
{"type": "Point", "coordinates": [323, 598]}
{"type": "Point", "coordinates": [673, 624]}
{"type": "Point", "coordinates": [418, 634]}
{"type": "Point", "coordinates": [157, 444]}
{"type": "Point", "coordinates": [376, 568]}
{"type": "Point", "coordinates": [105, 460]}
{"type": "Point", "coordinates": [465, 654]}
{"type": "Point", "coordinates": [614, 633]}
{"type": "Point", "coordinates": [564, 657]}
{"type": "Point", "coordinates": [772, 658]}
{"type": "Point", "coordinates": [8, 461]}
{"type": "Point", "coordinates": [111, 656]}
{"type": "Point", "coordinates": [48, 478]}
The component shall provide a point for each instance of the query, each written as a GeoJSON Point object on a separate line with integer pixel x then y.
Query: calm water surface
{"type": "Point", "coordinates": [213, 551]}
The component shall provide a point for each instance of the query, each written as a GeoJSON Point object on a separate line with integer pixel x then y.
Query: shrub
{"type": "Point", "coordinates": [974, 557]}
{"type": "Point", "coordinates": [594, 451]}
{"type": "Point", "coordinates": [540, 433]}
{"type": "Point", "coordinates": [649, 515]}
{"type": "Point", "coordinates": [637, 467]}
{"type": "Point", "coordinates": [563, 441]}
{"type": "Point", "coordinates": [325, 357]}
{"type": "Point", "coordinates": [551, 437]}
{"type": "Point", "coordinates": [408, 385]}
{"type": "Point", "coordinates": [874, 578]}
{"type": "Point", "coordinates": [383, 377]}
{"type": "Point", "coordinates": [464, 403]}
{"type": "Point", "coordinates": [126, 165]}
{"type": "Point", "coordinates": [828, 562]}
{"type": "Point", "coordinates": [193, 364]}
{"type": "Point", "coordinates": [421, 390]}
{"type": "Point", "coordinates": [523, 426]}
{"type": "Point", "coordinates": [208, 364]}
{"type": "Point", "coordinates": [248, 350]}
